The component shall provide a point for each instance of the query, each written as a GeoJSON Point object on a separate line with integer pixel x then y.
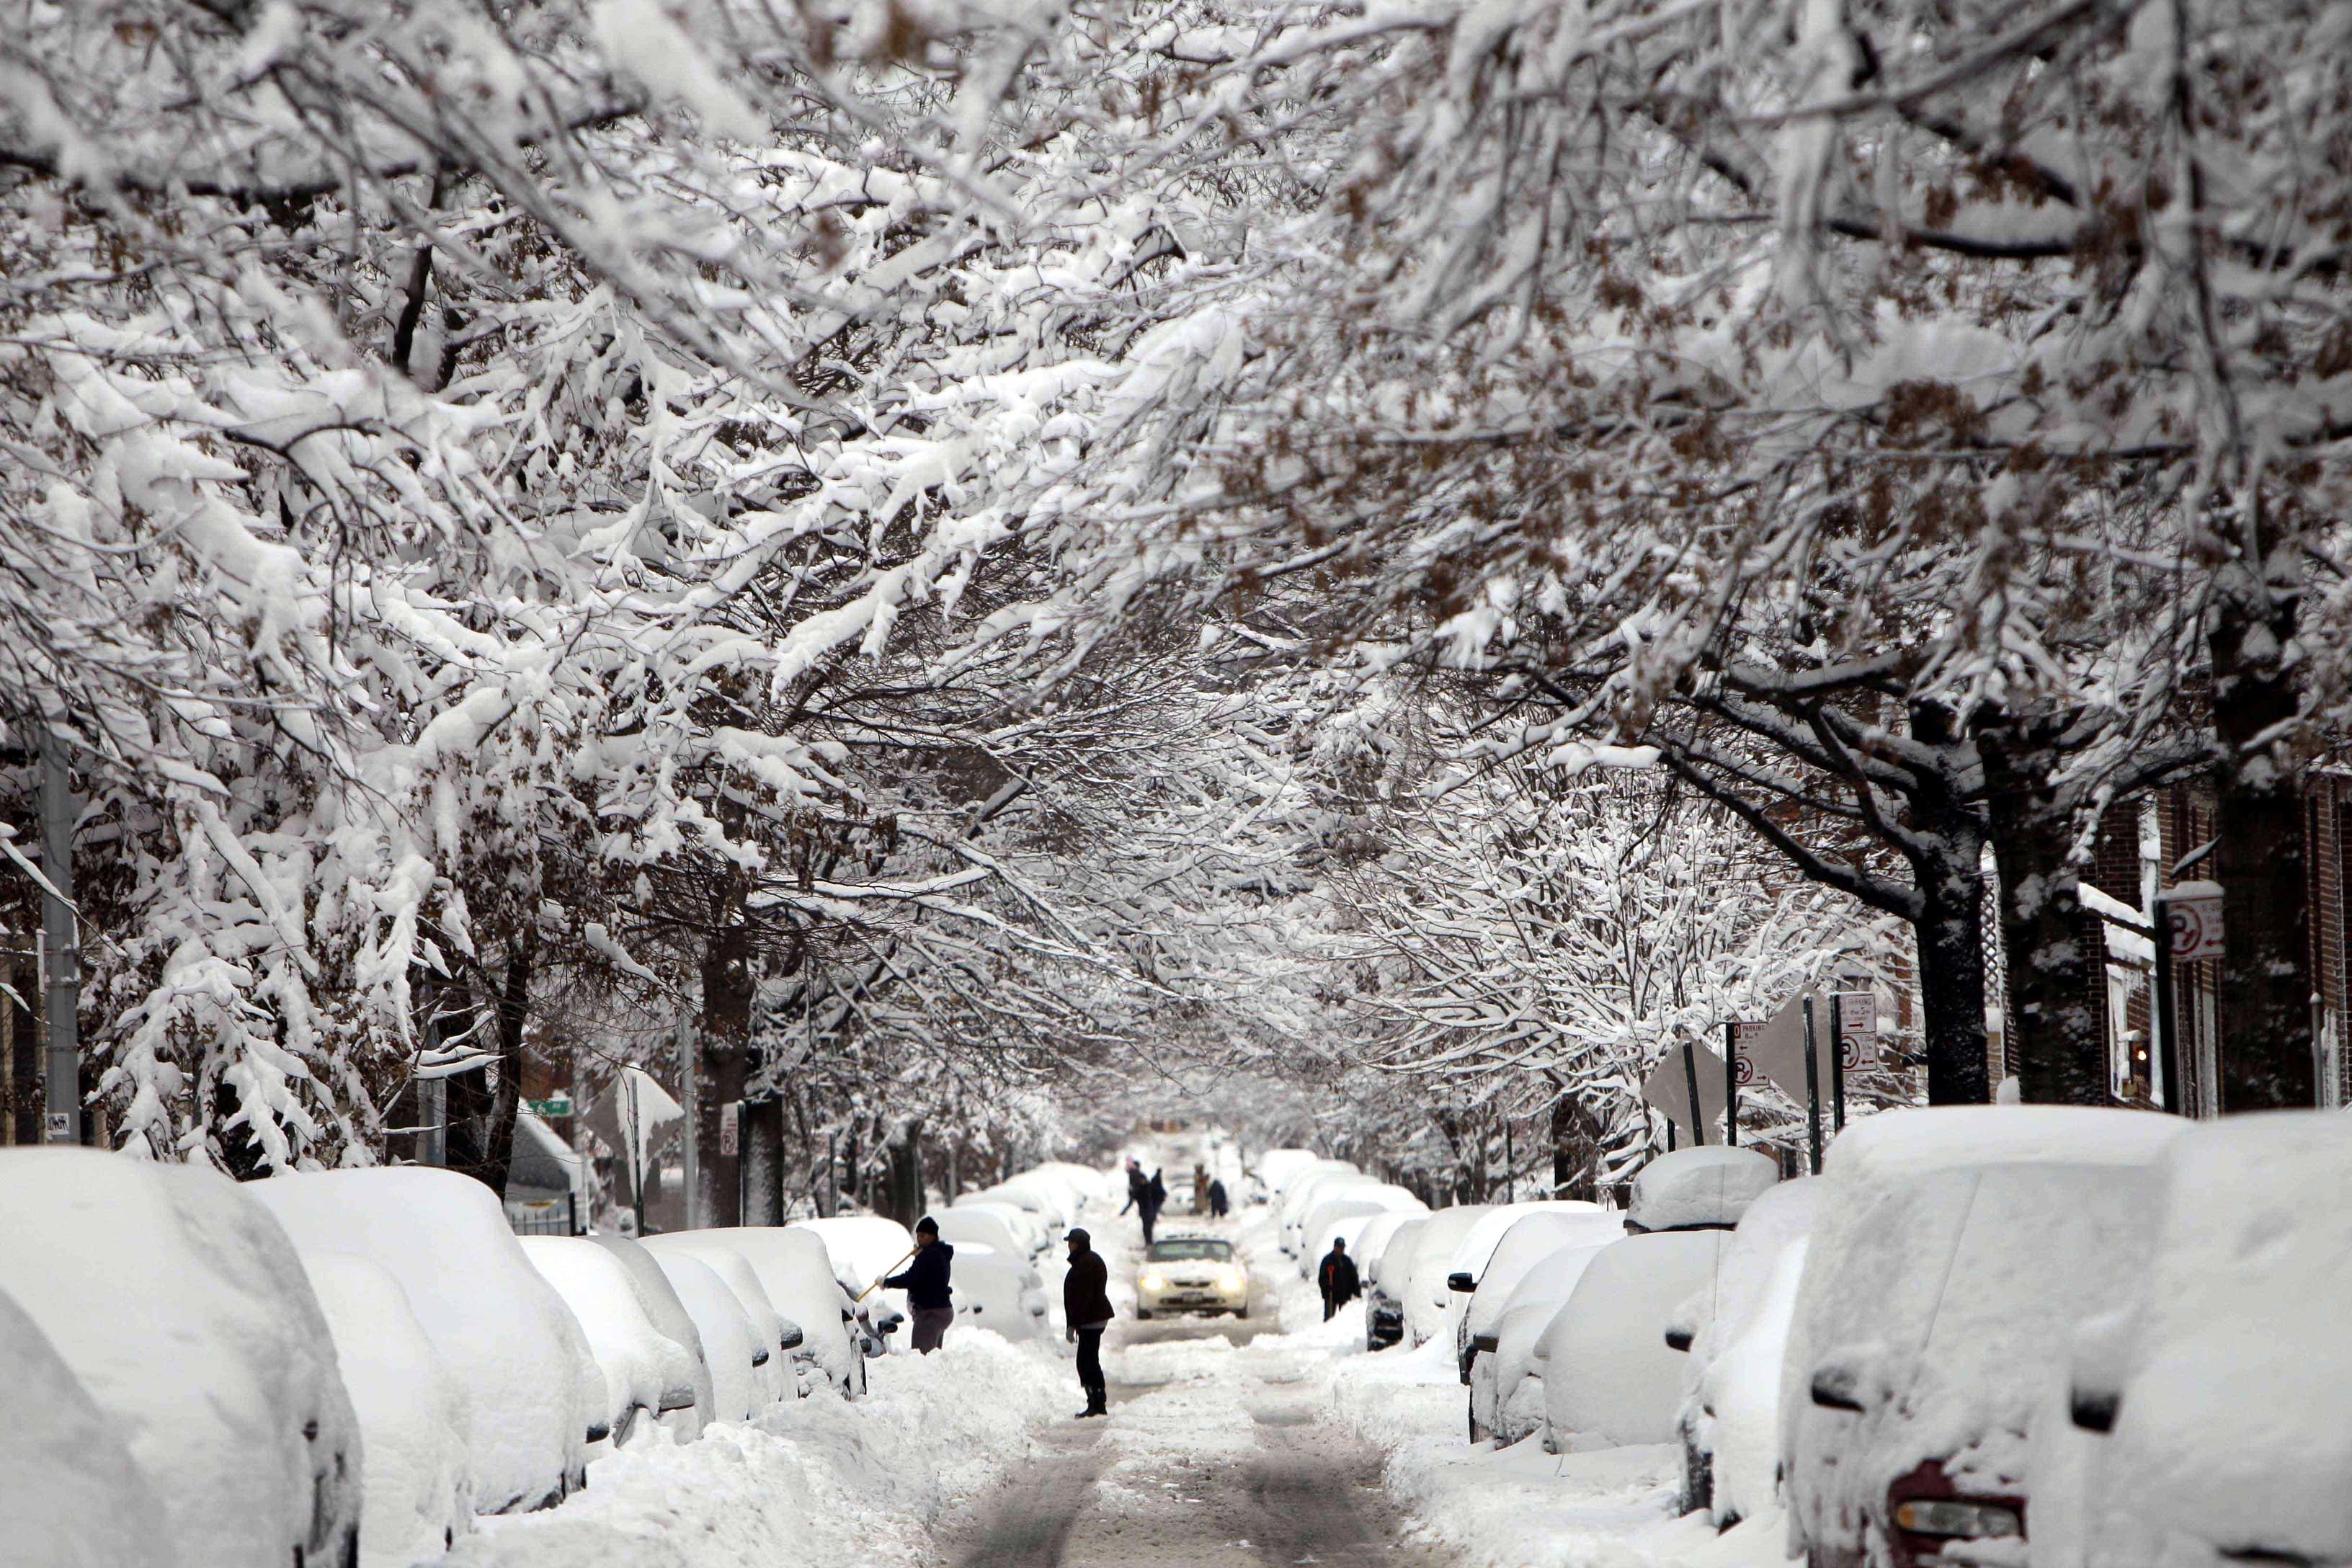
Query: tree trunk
{"type": "Point", "coordinates": [1951, 936]}
{"type": "Point", "coordinates": [490, 1115]}
{"type": "Point", "coordinates": [1575, 1151]}
{"type": "Point", "coordinates": [722, 1059]}
{"type": "Point", "coordinates": [2056, 967]}
{"type": "Point", "coordinates": [2259, 854]}
{"type": "Point", "coordinates": [763, 1162]}
{"type": "Point", "coordinates": [902, 1194]}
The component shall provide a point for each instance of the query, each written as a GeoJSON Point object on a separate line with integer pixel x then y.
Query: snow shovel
{"type": "Point", "coordinates": [884, 1275]}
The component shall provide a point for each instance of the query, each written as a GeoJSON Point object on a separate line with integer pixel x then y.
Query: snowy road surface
{"type": "Point", "coordinates": [1217, 1454]}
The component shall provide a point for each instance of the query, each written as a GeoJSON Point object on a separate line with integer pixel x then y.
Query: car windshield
{"type": "Point", "coordinates": [1187, 1250]}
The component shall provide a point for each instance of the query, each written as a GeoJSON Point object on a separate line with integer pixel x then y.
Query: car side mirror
{"type": "Point", "coordinates": [1461, 1280]}
{"type": "Point", "coordinates": [1849, 1379]}
{"type": "Point", "coordinates": [2094, 1370]}
{"type": "Point", "coordinates": [1679, 1336]}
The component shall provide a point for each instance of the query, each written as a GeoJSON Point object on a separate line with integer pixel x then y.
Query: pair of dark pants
{"type": "Point", "coordinates": [1090, 1372]}
{"type": "Point", "coordinates": [932, 1326]}
{"type": "Point", "coordinates": [1150, 1214]}
{"type": "Point", "coordinates": [1330, 1308]}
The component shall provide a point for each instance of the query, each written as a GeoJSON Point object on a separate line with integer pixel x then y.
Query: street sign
{"type": "Point", "coordinates": [553, 1105]}
{"type": "Point", "coordinates": [1743, 1042]}
{"type": "Point", "coordinates": [1774, 1052]}
{"type": "Point", "coordinates": [1857, 1030]}
{"type": "Point", "coordinates": [2192, 911]}
{"type": "Point", "coordinates": [57, 1127]}
{"type": "Point", "coordinates": [1668, 1087]}
{"type": "Point", "coordinates": [730, 1117]}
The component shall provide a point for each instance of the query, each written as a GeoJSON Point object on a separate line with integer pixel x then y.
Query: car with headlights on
{"type": "Point", "coordinates": [1192, 1274]}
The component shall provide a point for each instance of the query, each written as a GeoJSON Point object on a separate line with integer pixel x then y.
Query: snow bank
{"type": "Point", "coordinates": [817, 1481]}
{"type": "Point", "coordinates": [417, 1498]}
{"type": "Point", "coordinates": [70, 1494]}
{"type": "Point", "coordinates": [503, 1331]}
{"type": "Point", "coordinates": [187, 1319]}
{"type": "Point", "coordinates": [1706, 1185]}
{"type": "Point", "coordinates": [641, 1371]}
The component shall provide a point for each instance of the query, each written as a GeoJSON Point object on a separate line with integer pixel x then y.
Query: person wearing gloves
{"type": "Point", "coordinates": [1086, 1308]}
{"type": "Point", "coordinates": [925, 1282]}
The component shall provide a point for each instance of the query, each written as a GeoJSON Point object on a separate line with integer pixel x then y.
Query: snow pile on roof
{"type": "Point", "coordinates": [814, 1481]}
{"type": "Point", "coordinates": [1707, 1186]}
{"type": "Point", "coordinates": [1947, 1267]}
{"type": "Point", "coordinates": [503, 1331]}
{"type": "Point", "coordinates": [640, 1370]}
{"type": "Point", "coordinates": [1608, 1375]}
{"type": "Point", "coordinates": [2235, 1425]}
{"type": "Point", "coordinates": [863, 1248]}
{"type": "Point", "coordinates": [70, 1494]}
{"type": "Point", "coordinates": [187, 1319]}
{"type": "Point", "coordinates": [412, 1413]}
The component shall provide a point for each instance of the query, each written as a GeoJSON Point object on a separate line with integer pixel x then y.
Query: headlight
{"type": "Point", "coordinates": [1152, 1279]}
{"type": "Point", "coordinates": [1948, 1516]}
{"type": "Point", "coordinates": [1234, 1278]}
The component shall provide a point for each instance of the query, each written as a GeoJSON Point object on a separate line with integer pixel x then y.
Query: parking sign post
{"type": "Point", "coordinates": [1731, 1086]}
{"type": "Point", "coordinates": [1813, 1085]}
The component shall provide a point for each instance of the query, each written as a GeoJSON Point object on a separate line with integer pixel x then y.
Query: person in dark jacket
{"type": "Point", "coordinates": [1085, 1306]}
{"type": "Point", "coordinates": [925, 1282]}
{"type": "Point", "coordinates": [1218, 1206]}
{"type": "Point", "coordinates": [1337, 1279]}
{"type": "Point", "coordinates": [1144, 1195]}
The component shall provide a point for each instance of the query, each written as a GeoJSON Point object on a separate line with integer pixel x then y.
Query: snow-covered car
{"type": "Point", "coordinates": [1953, 1249]}
{"type": "Point", "coordinates": [1424, 1288]}
{"type": "Point", "coordinates": [866, 1248]}
{"type": "Point", "coordinates": [1358, 1200]}
{"type": "Point", "coordinates": [643, 1374]}
{"type": "Point", "coordinates": [1528, 1234]}
{"type": "Point", "coordinates": [1610, 1377]}
{"type": "Point", "coordinates": [1506, 1377]}
{"type": "Point", "coordinates": [185, 1316]}
{"type": "Point", "coordinates": [796, 1273]}
{"type": "Point", "coordinates": [1199, 1275]}
{"type": "Point", "coordinates": [724, 1298]}
{"type": "Point", "coordinates": [660, 1302]}
{"type": "Point", "coordinates": [417, 1496]}
{"type": "Point", "coordinates": [976, 1227]}
{"type": "Point", "coordinates": [999, 1293]}
{"type": "Point", "coordinates": [1693, 1189]}
{"type": "Point", "coordinates": [2215, 1404]}
{"type": "Point", "coordinates": [1084, 1184]}
{"type": "Point", "coordinates": [1474, 1253]}
{"type": "Point", "coordinates": [1729, 1419]}
{"type": "Point", "coordinates": [503, 1331]}
{"type": "Point", "coordinates": [1027, 1225]}
{"type": "Point", "coordinates": [1277, 1167]}
{"type": "Point", "coordinates": [1318, 1184]}
{"type": "Point", "coordinates": [70, 1494]}
{"type": "Point", "coordinates": [1380, 1274]}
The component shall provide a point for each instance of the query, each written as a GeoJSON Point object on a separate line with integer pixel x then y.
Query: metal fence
{"type": "Point", "coordinates": [544, 1216]}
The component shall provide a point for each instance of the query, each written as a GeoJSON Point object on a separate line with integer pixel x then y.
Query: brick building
{"type": "Point", "coordinates": [2155, 842]}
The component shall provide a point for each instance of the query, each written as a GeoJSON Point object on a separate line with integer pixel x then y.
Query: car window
{"type": "Point", "coordinates": [1187, 1250]}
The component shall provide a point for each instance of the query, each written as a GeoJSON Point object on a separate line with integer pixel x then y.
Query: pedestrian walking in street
{"type": "Point", "coordinates": [925, 1282]}
{"type": "Point", "coordinates": [1144, 1195]}
{"type": "Point", "coordinates": [1199, 1188]}
{"type": "Point", "coordinates": [1156, 1198]}
{"type": "Point", "coordinates": [1085, 1306]}
{"type": "Point", "coordinates": [1337, 1279]}
{"type": "Point", "coordinates": [1218, 1206]}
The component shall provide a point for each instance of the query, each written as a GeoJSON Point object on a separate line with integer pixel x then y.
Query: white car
{"type": "Point", "coordinates": [661, 1303]}
{"type": "Point", "coordinates": [2215, 1402]}
{"type": "Point", "coordinates": [641, 1374]}
{"type": "Point", "coordinates": [771, 1337]}
{"type": "Point", "coordinates": [1610, 1377]}
{"type": "Point", "coordinates": [1425, 1288]}
{"type": "Point", "coordinates": [1001, 1294]}
{"type": "Point", "coordinates": [1528, 1239]}
{"type": "Point", "coordinates": [1729, 1419]}
{"type": "Point", "coordinates": [70, 1493]}
{"type": "Point", "coordinates": [504, 1332]}
{"type": "Point", "coordinates": [1192, 1274]}
{"type": "Point", "coordinates": [1380, 1273]}
{"type": "Point", "coordinates": [1506, 1378]}
{"type": "Point", "coordinates": [417, 1493]}
{"type": "Point", "coordinates": [797, 1275]}
{"type": "Point", "coordinates": [186, 1317]}
{"type": "Point", "coordinates": [1475, 1254]}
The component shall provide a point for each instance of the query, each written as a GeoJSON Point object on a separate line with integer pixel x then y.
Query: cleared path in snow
{"type": "Point", "coordinates": [1213, 1456]}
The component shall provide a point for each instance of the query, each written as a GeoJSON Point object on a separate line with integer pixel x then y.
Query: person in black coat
{"type": "Point", "coordinates": [1218, 1206]}
{"type": "Point", "coordinates": [925, 1282]}
{"type": "Point", "coordinates": [1144, 1195]}
{"type": "Point", "coordinates": [1086, 1308]}
{"type": "Point", "coordinates": [1337, 1279]}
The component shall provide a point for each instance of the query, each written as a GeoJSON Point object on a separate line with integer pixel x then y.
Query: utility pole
{"type": "Point", "coordinates": [60, 951]}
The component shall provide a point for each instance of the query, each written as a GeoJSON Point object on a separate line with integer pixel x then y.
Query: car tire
{"type": "Point", "coordinates": [1142, 1316]}
{"type": "Point", "coordinates": [1240, 1312]}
